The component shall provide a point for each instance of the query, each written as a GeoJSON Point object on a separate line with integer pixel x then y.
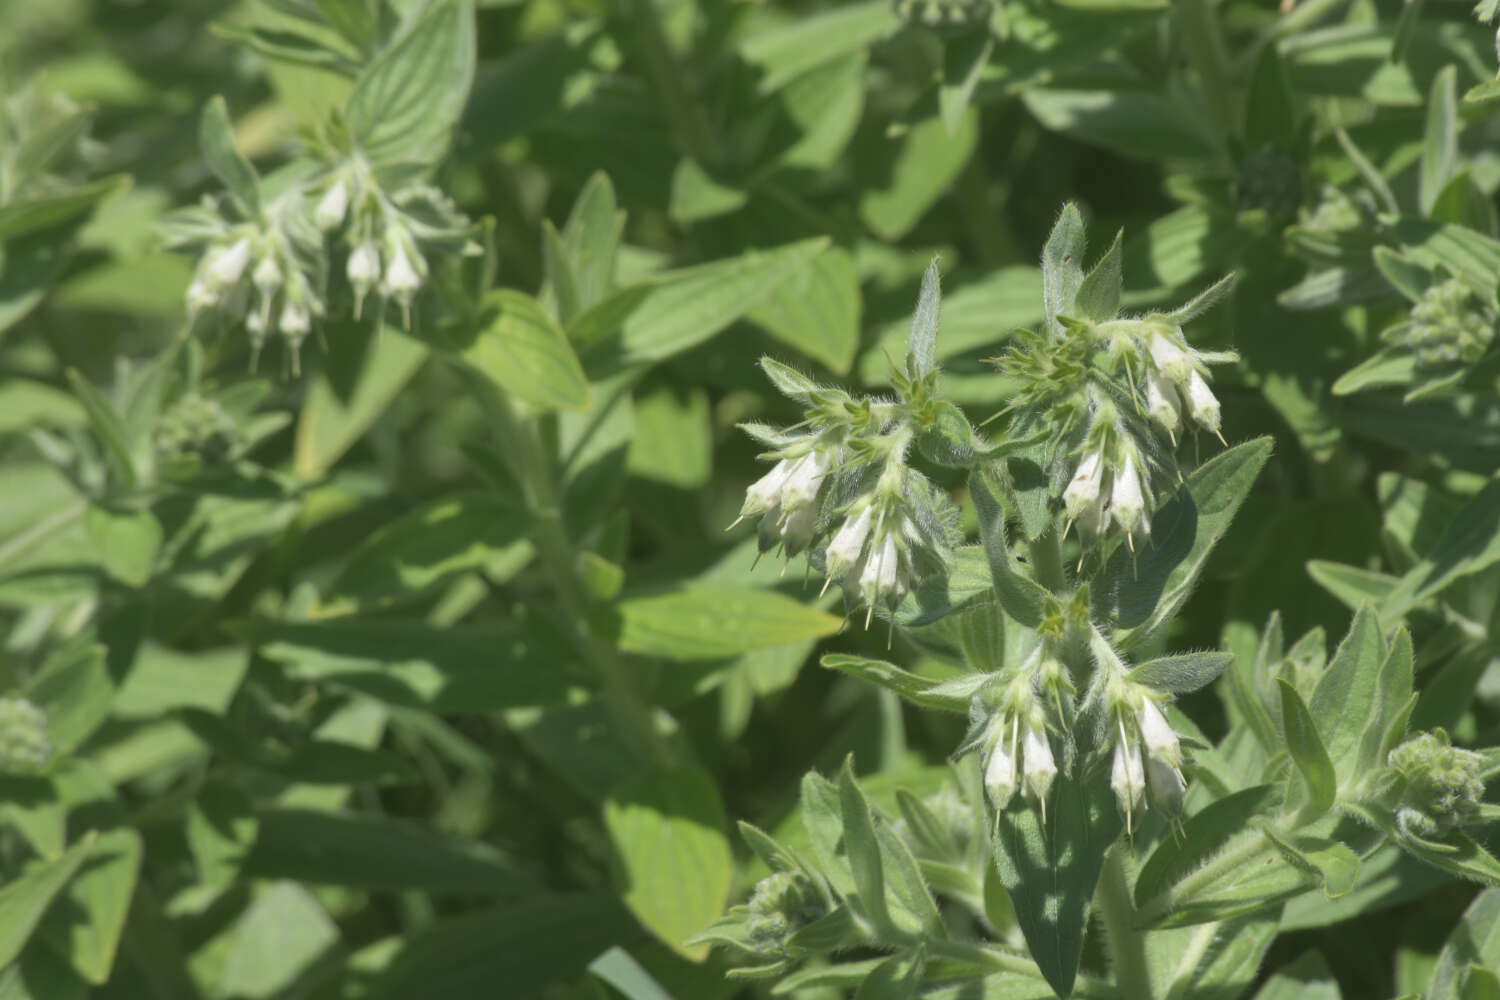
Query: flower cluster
{"type": "Point", "coordinates": [1449, 325]}
{"type": "Point", "coordinates": [783, 904]}
{"type": "Point", "coordinates": [1443, 785]}
{"type": "Point", "coordinates": [1147, 758]}
{"type": "Point", "coordinates": [195, 426]}
{"type": "Point", "coordinates": [1011, 724]}
{"type": "Point", "coordinates": [24, 745]}
{"type": "Point", "coordinates": [786, 498]}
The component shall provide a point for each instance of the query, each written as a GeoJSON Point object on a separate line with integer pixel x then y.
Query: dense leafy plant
{"type": "Point", "coordinates": [380, 377]}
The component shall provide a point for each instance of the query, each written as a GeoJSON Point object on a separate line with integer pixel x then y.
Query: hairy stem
{"type": "Point", "coordinates": [1126, 942]}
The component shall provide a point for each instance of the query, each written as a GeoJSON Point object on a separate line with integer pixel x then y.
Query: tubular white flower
{"type": "Point", "coordinates": [1166, 786]}
{"type": "Point", "coordinates": [331, 207]}
{"type": "Point", "coordinates": [881, 576]}
{"type": "Point", "coordinates": [848, 542]}
{"type": "Point", "coordinates": [364, 266]}
{"type": "Point", "coordinates": [401, 277]}
{"type": "Point", "coordinates": [805, 479]}
{"type": "Point", "coordinates": [1156, 732]}
{"type": "Point", "coordinates": [227, 265]}
{"type": "Point", "coordinates": [1161, 403]}
{"type": "Point", "coordinates": [797, 528]}
{"type": "Point", "coordinates": [267, 275]}
{"type": "Point", "coordinates": [1000, 769]}
{"type": "Point", "coordinates": [295, 321]}
{"type": "Point", "coordinates": [1037, 763]}
{"type": "Point", "coordinates": [1203, 405]}
{"type": "Point", "coordinates": [765, 492]}
{"type": "Point", "coordinates": [1083, 492]}
{"type": "Point", "coordinates": [1126, 502]}
{"type": "Point", "coordinates": [1127, 777]}
{"type": "Point", "coordinates": [1170, 359]}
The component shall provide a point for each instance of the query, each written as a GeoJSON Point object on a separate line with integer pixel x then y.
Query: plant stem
{"type": "Point", "coordinates": [532, 466]}
{"type": "Point", "coordinates": [1205, 50]}
{"type": "Point", "coordinates": [1232, 857]}
{"type": "Point", "coordinates": [1126, 943]}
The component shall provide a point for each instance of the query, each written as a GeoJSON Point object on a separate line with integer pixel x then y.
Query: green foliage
{"type": "Point", "coordinates": [380, 378]}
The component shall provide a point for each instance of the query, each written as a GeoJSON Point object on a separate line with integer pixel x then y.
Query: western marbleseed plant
{"type": "Point", "coordinates": [1082, 801]}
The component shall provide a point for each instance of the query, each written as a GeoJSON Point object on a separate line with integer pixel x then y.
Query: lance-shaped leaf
{"type": "Point", "coordinates": [216, 137]}
{"type": "Point", "coordinates": [921, 343]}
{"type": "Point", "coordinates": [1050, 869]}
{"type": "Point", "coordinates": [1142, 592]}
{"type": "Point", "coordinates": [1182, 673]}
{"type": "Point", "coordinates": [24, 901]}
{"type": "Point", "coordinates": [1203, 836]}
{"type": "Point", "coordinates": [1098, 297]}
{"type": "Point", "coordinates": [1344, 702]}
{"type": "Point", "coordinates": [1307, 749]}
{"type": "Point", "coordinates": [1062, 265]}
{"type": "Point", "coordinates": [1475, 941]}
{"type": "Point", "coordinates": [943, 695]}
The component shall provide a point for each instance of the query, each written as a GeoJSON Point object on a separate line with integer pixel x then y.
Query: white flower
{"type": "Point", "coordinates": [1166, 785]}
{"type": "Point", "coordinates": [765, 492]}
{"type": "Point", "coordinates": [1161, 403]}
{"type": "Point", "coordinates": [880, 578]}
{"type": "Point", "coordinates": [201, 296]}
{"type": "Point", "coordinates": [364, 266]}
{"type": "Point", "coordinates": [1000, 769]}
{"type": "Point", "coordinates": [1202, 403]}
{"type": "Point", "coordinates": [1156, 732]}
{"type": "Point", "coordinates": [1127, 777]}
{"type": "Point", "coordinates": [797, 528]}
{"type": "Point", "coordinates": [267, 276]}
{"type": "Point", "coordinates": [401, 277]}
{"type": "Point", "coordinates": [848, 543]}
{"type": "Point", "coordinates": [1037, 764]}
{"type": "Point", "coordinates": [331, 207]}
{"type": "Point", "coordinates": [227, 265]}
{"type": "Point", "coordinates": [295, 321]}
{"type": "Point", "coordinates": [1170, 359]}
{"type": "Point", "coordinates": [1083, 492]}
{"type": "Point", "coordinates": [1126, 502]}
{"type": "Point", "coordinates": [805, 479]}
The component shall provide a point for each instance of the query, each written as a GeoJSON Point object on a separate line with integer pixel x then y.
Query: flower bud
{"type": "Point", "coordinates": [295, 321]}
{"type": "Point", "coordinates": [765, 492]}
{"type": "Point", "coordinates": [1083, 492]}
{"type": "Point", "coordinates": [1202, 404]}
{"type": "Point", "coordinates": [201, 296]}
{"type": "Point", "coordinates": [880, 578]}
{"type": "Point", "coordinates": [848, 543]}
{"type": "Point", "coordinates": [331, 207]}
{"type": "Point", "coordinates": [1037, 764]}
{"type": "Point", "coordinates": [805, 479]}
{"type": "Point", "coordinates": [1170, 359]}
{"type": "Point", "coordinates": [24, 744]}
{"type": "Point", "coordinates": [1166, 786]}
{"type": "Point", "coordinates": [267, 276]}
{"type": "Point", "coordinates": [1000, 770]}
{"type": "Point", "coordinates": [1127, 777]}
{"type": "Point", "coordinates": [797, 527]}
{"type": "Point", "coordinates": [1161, 403]}
{"type": "Point", "coordinates": [1157, 733]}
{"type": "Point", "coordinates": [1126, 503]}
{"type": "Point", "coordinates": [227, 265]}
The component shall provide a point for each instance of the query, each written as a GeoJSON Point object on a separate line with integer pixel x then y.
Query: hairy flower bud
{"type": "Point", "coordinates": [1127, 504]}
{"type": "Point", "coordinates": [227, 266]}
{"type": "Point", "coordinates": [1000, 767]}
{"type": "Point", "coordinates": [1082, 493]}
{"type": "Point", "coordinates": [782, 904]}
{"type": "Point", "coordinates": [847, 544]}
{"type": "Point", "coordinates": [1127, 777]}
{"type": "Point", "coordinates": [24, 744]}
{"type": "Point", "coordinates": [1038, 766]}
{"type": "Point", "coordinates": [1169, 358]}
{"type": "Point", "coordinates": [1202, 404]}
{"type": "Point", "coordinates": [1157, 733]}
{"type": "Point", "coordinates": [880, 576]}
{"type": "Point", "coordinates": [332, 206]}
{"type": "Point", "coordinates": [804, 479]}
{"type": "Point", "coordinates": [1166, 786]}
{"type": "Point", "coordinates": [267, 275]}
{"type": "Point", "coordinates": [1161, 404]}
{"type": "Point", "coordinates": [1443, 784]}
{"type": "Point", "coordinates": [765, 492]}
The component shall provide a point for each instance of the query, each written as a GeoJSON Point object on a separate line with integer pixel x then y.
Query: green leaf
{"type": "Point", "coordinates": [1142, 593]}
{"type": "Point", "coordinates": [1205, 834]}
{"type": "Point", "coordinates": [1270, 111]}
{"type": "Point", "coordinates": [455, 669]}
{"type": "Point", "coordinates": [789, 50]}
{"type": "Point", "coordinates": [1050, 869]}
{"type": "Point", "coordinates": [1440, 140]}
{"type": "Point", "coordinates": [126, 542]}
{"type": "Point", "coordinates": [221, 831]}
{"type": "Point", "coordinates": [673, 438]}
{"type": "Point", "coordinates": [864, 852]}
{"type": "Point", "coordinates": [1023, 599]}
{"type": "Point", "coordinates": [1354, 586]}
{"type": "Point", "coordinates": [667, 829]}
{"type": "Point", "coordinates": [817, 310]}
{"type": "Point", "coordinates": [40, 212]}
{"type": "Point", "coordinates": [964, 60]}
{"type": "Point", "coordinates": [1475, 941]}
{"type": "Point", "coordinates": [75, 689]}
{"type": "Point", "coordinates": [1331, 863]}
{"type": "Point", "coordinates": [407, 99]}
{"type": "Point", "coordinates": [712, 622]}
{"type": "Point", "coordinates": [24, 901]}
{"type": "Point", "coordinates": [106, 423]}
{"type": "Point", "coordinates": [98, 899]}
{"type": "Point", "coordinates": [1308, 978]}
{"type": "Point", "coordinates": [1393, 699]}
{"type": "Point", "coordinates": [919, 172]}
{"type": "Point", "coordinates": [428, 547]}
{"type": "Point", "coordinates": [921, 342]}
{"type": "Point", "coordinates": [359, 382]}
{"type": "Point", "coordinates": [591, 240]}
{"type": "Point", "coordinates": [688, 307]}
{"type": "Point", "coordinates": [917, 690]}
{"type": "Point", "coordinates": [896, 978]}
{"type": "Point", "coordinates": [697, 196]}
{"type": "Point", "coordinates": [358, 850]}
{"type": "Point", "coordinates": [1470, 545]}
{"type": "Point", "coordinates": [1387, 367]}
{"type": "Point", "coordinates": [526, 945]}
{"type": "Point", "coordinates": [1181, 673]}
{"type": "Point", "coordinates": [276, 942]}
{"type": "Point", "coordinates": [1344, 702]}
{"type": "Point", "coordinates": [559, 271]}
{"type": "Point", "coordinates": [216, 137]}
{"type": "Point", "coordinates": [1458, 854]}
{"type": "Point", "coordinates": [1307, 749]}
{"type": "Point", "coordinates": [1062, 265]}
{"type": "Point", "coordinates": [522, 351]}
{"type": "Point", "coordinates": [1098, 296]}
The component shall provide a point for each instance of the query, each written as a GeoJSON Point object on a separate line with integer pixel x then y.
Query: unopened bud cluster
{"type": "Point", "coordinates": [1015, 742]}
{"type": "Point", "coordinates": [195, 426]}
{"type": "Point", "coordinates": [1450, 325]}
{"type": "Point", "coordinates": [1444, 787]}
{"type": "Point", "coordinates": [24, 745]}
{"type": "Point", "coordinates": [782, 904]}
